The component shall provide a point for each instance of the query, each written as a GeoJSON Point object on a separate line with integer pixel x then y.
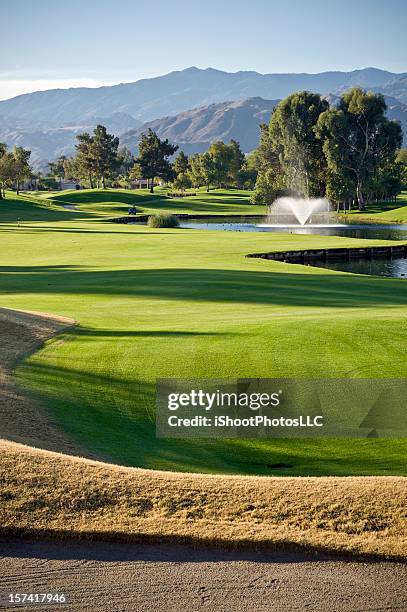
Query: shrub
{"type": "Point", "coordinates": [163, 220]}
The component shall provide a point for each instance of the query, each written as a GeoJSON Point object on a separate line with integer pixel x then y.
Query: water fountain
{"type": "Point", "coordinates": [289, 212]}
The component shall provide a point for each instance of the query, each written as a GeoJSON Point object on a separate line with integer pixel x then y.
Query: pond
{"type": "Point", "coordinates": [396, 267]}
{"type": "Point", "coordinates": [255, 224]}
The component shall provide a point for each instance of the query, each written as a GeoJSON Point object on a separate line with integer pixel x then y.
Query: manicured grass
{"type": "Point", "coordinates": [117, 202]}
{"type": "Point", "coordinates": [175, 303]}
{"type": "Point", "coordinates": [384, 212]}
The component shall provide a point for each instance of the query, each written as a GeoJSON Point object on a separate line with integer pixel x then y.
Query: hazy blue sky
{"type": "Point", "coordinates": [48, 43]}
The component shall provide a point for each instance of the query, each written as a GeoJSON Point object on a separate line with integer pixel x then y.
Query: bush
{"type": "Point", "coordinates": [162, 220]}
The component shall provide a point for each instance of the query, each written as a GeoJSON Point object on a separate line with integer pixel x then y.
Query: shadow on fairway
{"type": "Point", "coordinates": [87, 332]}
{"type": "Point", "coordinates": [266, 287]}
{"type": "Point", "coordinates": [13, 210]}
{"type": "Point", "coordinates": [113, 416]}
{"type": "Point", "coordinates": [99, 197]}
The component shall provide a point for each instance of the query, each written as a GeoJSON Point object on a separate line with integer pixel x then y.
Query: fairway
{"type": "Point", "coordinates": [155, 303]}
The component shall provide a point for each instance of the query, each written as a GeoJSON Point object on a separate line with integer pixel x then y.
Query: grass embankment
{"type": "Point", "coordinates": [183, 303]}
{"type": "Point", "coordinates": [114, 203]}
{"type": "Point", "coordinates": [45, 493]}
{"type": "Point", "coordinates": [383, 212]}
{"type": "Point", "coordinates": [21, 418]}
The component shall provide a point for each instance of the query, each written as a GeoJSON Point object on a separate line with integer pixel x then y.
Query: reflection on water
{"type": "Point", "coordinates": [382, 232]}
{"type": "Point", "coordinates": [396, 267]}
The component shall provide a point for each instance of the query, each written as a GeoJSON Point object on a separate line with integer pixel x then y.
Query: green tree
{"type": "Point", "coordinates": [270, 180]}
{"type": "Point", "coordinates": [293, 138]}
{"type": "Point", "coordinates": [136, 172]}
{"type": "Point", "coordinates": [236, 163]}
{"type": "Point", "coordinates": [104, 152]}
{"type": "Point", "coordinates": [125, 161]}
{"type": "Point", "coordinates": [401, 159]}
{"type": "Point", "coordinates": [269, 186]}
{"type": "Point", "coordinates": [7, 164]}
{"type": "Point", "coordinates": [57, 168]}
{"type": "Point", "coordinates": [358, 139]}
{"type": "Point", "coordinates": [3, 151]}
{"type": "Point", "coordinates": [22, 169]}
{"type": "Point", "coordinates": [387, 182]}
{"type": "Point", "coordinates": [182, 181]}
{"type": "Point", "coordinates": [195, 170]}
{"type": "Point", "coordinates": [221, 160]}
{"type": "Point", "coordinates": [153, 157]}
{"type": "Point", "coordinates": [181, 164]}
{"type": "Point", "coordinates": [339, 187]}
{"type": "Point", "coordinates": [248, 172]}
{"type": "Point", "coordinates": [83, 165]}
{"type": "Point", "coordinates": [208, 170]}
{"type": "Point", "coordinates": [266, 156]}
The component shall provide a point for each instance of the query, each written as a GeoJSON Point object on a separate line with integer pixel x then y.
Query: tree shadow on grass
{"type": "Point", "coordinates": [112, 231]}
{"type": "Point", "coordinates": [114, 418]}
{"type": "Point", "coordinates": [14, 210]}
{"type": "Point", "coordinates": [100, 197]}
{"type": "Point", "coordinates": [91, 333]}
{"type": "Point", "coordinates": [211, 285]}
{"type": "Point", "coordinates": [200, 205]}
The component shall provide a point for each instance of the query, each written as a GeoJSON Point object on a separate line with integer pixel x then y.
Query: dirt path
{"type": "Point", "coordinates": [164, 578]}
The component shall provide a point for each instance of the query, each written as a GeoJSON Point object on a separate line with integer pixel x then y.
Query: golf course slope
{"type": "Point", "coordinates": [178, 303]}
{"type": "Point", "coordinates": [51, 494]}
{"type": "Point", "coordinates": [48, 493]}
{"type": "Point", "coordinates": [75, 398]}
{"type": "Point", "coordinates": [22, 419]}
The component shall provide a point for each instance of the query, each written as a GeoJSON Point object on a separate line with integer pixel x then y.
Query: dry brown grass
{"type": "Point", "coordinates": [46, 493]}
{"type": "Point", "coordinates": [49, 493]}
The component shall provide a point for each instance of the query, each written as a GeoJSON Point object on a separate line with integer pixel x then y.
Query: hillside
{"type": "Point", "coordinates": [195, 129]}
{"type": "Point", "coordinates": [191, 107]}
{"type": "Point", "coordinates": [48, 140]}
{"type": "Point", "coordinates": [396, 87]}
{"type": "Point", "coordinates": [56, 495]}
{"type": "Point", "coordinates": [178, 91]}
{"type": "Point", "coordinates": [192, 130]}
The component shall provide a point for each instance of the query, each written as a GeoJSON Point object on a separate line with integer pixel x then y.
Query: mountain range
{"type": "Point", "coordinates": [195, 129]}
{"type": "Point", "coordinates": [224, 105]}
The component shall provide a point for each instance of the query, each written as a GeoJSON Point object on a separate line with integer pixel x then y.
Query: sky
{"type": "Point", "coordinates": [46, 44]}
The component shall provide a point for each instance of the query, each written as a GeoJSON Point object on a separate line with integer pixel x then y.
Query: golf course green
{"type": "Point", "coordinates": [155, 303]}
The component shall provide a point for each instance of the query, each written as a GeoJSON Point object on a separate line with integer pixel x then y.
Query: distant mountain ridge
{"type": "Point", "coordinates": [191, 107]}
{"type": "Point", "coordinates": [170, 94]}
{"type": "Point", "coordinates": [194, 130]}
{"type": "Point", "coordinates": [47, 141]}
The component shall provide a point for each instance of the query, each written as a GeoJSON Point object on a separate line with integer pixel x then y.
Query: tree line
{"type": "Point", "coordinates": [14, 168]}
{"type": "Point", "coordinates": [99, 160]}
{"type": "Point", "coordinates": [348, 152]}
